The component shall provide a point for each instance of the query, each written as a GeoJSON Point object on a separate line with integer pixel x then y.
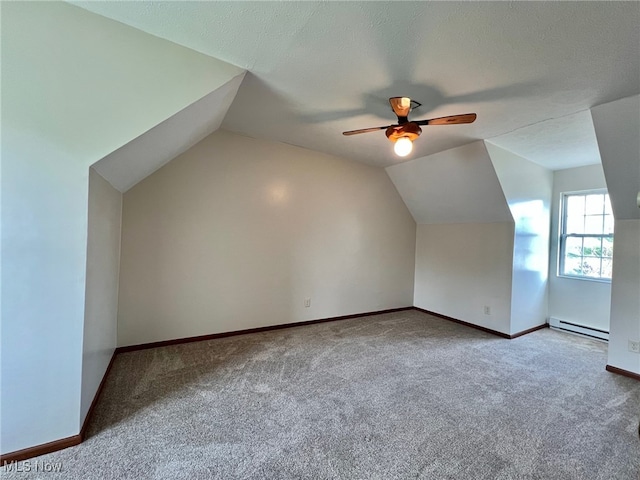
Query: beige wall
{"type": "Point", "coordinates": [237, 232]}
{"type": "Point", "coordinates": [461, 268]}
{"type": "Point", "coordinates": [101, 296]}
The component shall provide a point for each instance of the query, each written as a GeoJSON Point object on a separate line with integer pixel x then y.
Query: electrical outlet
{"type": "Point", "coordinates": [487, 310]}
{"type": "Point", "coordinates": [634, 346]}
{"type": "Point", "coordinates": [307, 302]}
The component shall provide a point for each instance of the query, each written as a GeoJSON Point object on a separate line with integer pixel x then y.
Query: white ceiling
{"type": "Point", "coordinates": [319, 68]}
{"type": "Point", "coordinates": [559, 143]}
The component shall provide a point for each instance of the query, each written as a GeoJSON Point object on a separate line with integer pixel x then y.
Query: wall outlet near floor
{"type": "Point", "coordinates": [307, 302]}
{"type": "Point", "coordinates": [487, 310]}
{"type": "Point", "coordinates": [634, 346]}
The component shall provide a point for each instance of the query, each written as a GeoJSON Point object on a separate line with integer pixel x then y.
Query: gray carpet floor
{"type": "Point", "coordinates": [393, 396]}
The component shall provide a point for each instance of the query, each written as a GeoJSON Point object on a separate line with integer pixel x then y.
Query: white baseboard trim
{"type": "Point", "coordinates": [573, 327]}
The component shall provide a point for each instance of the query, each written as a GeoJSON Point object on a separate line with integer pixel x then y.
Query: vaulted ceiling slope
{"type": "Point", "coordinates": [456, 186]}
{"type": "Point", "coordinates": [145, 154]}
{"type": "Point", "coordinates": [320, 68]}
{"type": "Point", "coordinates": [83, 86]}
{"type": "Point", "coordinates": [617, 126]}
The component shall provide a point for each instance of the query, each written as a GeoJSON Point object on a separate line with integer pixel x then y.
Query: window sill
{"type": "Point", "coordinates": [585, 279]}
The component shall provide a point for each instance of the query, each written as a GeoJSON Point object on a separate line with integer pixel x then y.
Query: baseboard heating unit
{"type": "Point", "coordinates": [579, 329]}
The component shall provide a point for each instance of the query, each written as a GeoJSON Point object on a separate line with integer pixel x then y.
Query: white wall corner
{"type": "Point", "coordinates": [464, 234]}
{"type": "Point", "coordinates": [527, 188]}
{"type": "Point", "coordinates": [617, 125]}
{"type": "Point", "coordinates": [101, 298]}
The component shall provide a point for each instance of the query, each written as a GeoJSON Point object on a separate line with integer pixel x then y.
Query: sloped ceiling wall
{"type": "Point", "coordinates": [617, 126]}
{"type": "Point", "coordinates": [464, 239]}
{"type": "Point", "coordinates": [145, 154]}
{"type": "Point", "coordinates": [480, 184]}
{"type": "Point", "coordinates": [320, 68]}
{"type": "Point", "coordinates": [455, 186]}
{"type": "Point", "coordinates": [80, 87]}
{"type": "Point", "coordinates": [88, 84]}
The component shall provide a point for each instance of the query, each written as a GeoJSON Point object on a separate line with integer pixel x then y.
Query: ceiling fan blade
{"type": "Point", "coordinates": [401, 106]}
{"type": "Point", "coordinates": [450, 120]}
{"type": "Point", "coordinates": [365, 130]}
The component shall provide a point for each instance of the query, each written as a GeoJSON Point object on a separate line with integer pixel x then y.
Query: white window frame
{"type": "Point", "coordinates": [563, 235]}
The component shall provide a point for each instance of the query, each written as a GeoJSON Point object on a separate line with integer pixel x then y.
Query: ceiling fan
{"type": "Point", "coordinates": [405, 132]}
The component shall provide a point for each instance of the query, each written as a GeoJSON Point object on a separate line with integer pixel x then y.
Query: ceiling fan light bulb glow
{"type": "Point", "coordinates": [403, 146]}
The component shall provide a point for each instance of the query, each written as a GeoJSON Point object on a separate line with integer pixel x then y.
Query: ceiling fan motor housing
{"type": "Point", "coordinates": [410, 130]}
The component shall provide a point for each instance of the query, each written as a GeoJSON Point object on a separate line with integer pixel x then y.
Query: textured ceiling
{"type": "Point", "coordinates": [559, 143]}
{"type": "Point", "coordinates": [318, 68]}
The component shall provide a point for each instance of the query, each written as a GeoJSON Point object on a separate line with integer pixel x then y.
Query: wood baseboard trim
{"type": "Point", "coordinates": [529, 330]}
{"type": "Point", "coordinates": [38, 450]}
{"type": "Point", "coordinates": [484, 329]}
{"type": "Point", "coordinates": [462, 322]}
{"type": "Point", "coordinates": [621, 371]}
{"type": "Point", "coordinates": [200, 338]}
{"type": "Point", "coordinates": [63, 443]}
{"type": "Point", "coordinates": [87, 419]}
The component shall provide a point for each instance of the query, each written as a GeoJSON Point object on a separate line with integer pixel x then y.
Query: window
{"type": "Point", "coordinates": [586, 241]}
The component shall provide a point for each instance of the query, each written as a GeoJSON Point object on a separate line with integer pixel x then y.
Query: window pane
{"type": "Point", "coordinates": [608, 224]}
{"type": "Point", "coordinates": [573, 247]}
{"type": "Point", "coordinates": [591, 267]}
{"type": "Point", "coordinates": [606, 268]}
{"type": "Point", "coordinates": [572, 266]}
{"type": "Point", "coordinates": [593, 224]}
{"type": "Point", "coordinates": [592, 247]}
{"type": "Point", "coordinates": [575, 224]}
{"type": "Point", "coordinates": [575, 205]}
{"type": "Point", "coordinates": [595, 204]}
{"type": "Point", "coordinates": [587, 235]}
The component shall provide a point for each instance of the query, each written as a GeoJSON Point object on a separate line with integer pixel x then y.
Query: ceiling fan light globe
{"type": "Point", "coordinates": [403, 146]}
